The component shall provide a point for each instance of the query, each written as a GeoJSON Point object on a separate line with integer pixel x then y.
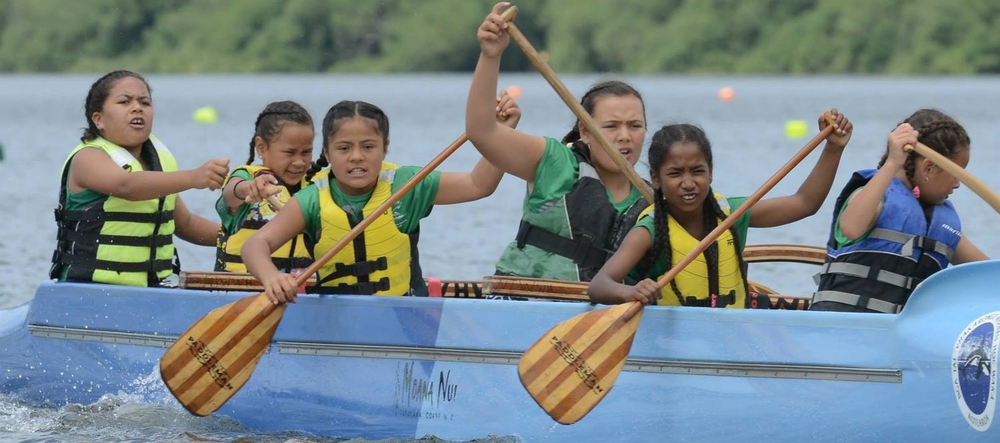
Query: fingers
{"type": "Point", "coordinates": [216, 171]}
{"type": "Point", "coordinates": [281, 289]}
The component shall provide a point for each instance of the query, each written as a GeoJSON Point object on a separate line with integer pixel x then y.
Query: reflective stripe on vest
{"type": "Point", "coordinates": [879, 272]}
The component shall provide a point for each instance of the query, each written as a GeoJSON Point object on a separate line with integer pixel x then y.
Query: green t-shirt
{"type": "Point", "coordinates": [742, 226]}
{"type": "Point", "coordinates": [230, 222]}
{"type": "Point", "coordinates": [557, 174]}
{"type": "Point", "coordinates": [408, 211]}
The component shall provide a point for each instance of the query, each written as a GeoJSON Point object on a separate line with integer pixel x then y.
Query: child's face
{"type": "Point", "coordinates": [289, 154]}
{"type": "Point", "coordinates": [355, 153]}
{"type": "Point", "coordinates": [939, 183]}
{"type": "Point", "coordinates": [684, 178]}
{"type": "Point", "coordinates": [126, 118]}
{"type": "Point", "coordinates": [621, 120]}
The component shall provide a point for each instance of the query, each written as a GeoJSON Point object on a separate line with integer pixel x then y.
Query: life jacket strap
{"type": "Point", "coordinates": [869, 273]}
{"type": "Point", "coordinates": [362, 288]}
{"type": "Point", "coordinates": [858, 301]}
{"type": "Point", "coordinates": [581, 250]}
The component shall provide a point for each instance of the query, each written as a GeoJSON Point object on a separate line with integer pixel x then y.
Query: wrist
{"type": "Point", "coordinates": [236, 190]}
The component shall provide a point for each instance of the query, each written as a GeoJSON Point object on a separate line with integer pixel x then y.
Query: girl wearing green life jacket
{"type": "Point", "coordinates": [687, 209]}
{"type": "Point", "coordinates": [579, 205]}
{"type": "Point", "coordinates": [118, 204]}
{"type": "Point", "coordinates": [283, 139]}
{"type": "Point", "coordinates": [384, 259]}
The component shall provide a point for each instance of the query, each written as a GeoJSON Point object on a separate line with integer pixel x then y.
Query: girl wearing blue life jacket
{"type": "Point", "coordinates": [894, 226]}
{"type": "Point", "coordinates": [687, 209]}
{"type": "Point", "coordinates": [119, 207]}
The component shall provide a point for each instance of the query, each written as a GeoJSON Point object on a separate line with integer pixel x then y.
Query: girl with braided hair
{"type": "Point", "coordinates": [355, 180]}
{"type": "Point", "coordinates": [283, 139]}
{"type": "Point", "coordinates": [687, 209]}
{"type": "Point", "coordinates": [894, 226]}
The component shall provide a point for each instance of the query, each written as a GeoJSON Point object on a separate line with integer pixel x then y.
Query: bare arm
{"type": "Point", "coordinates": [460, 187]}
{"type": "Point", "coordinates": [192, 227]}
{"type": "Point", "coordinates": [606, 287]}
{"type": "Point", "coordinates": [238, 190]}
{"type": "Point", "coordinates": [967, 252]}
{"type": "Point", "coordinates": [92, 169]}
{"type": "Point", "coordinates": [864, 208]}
{"type": "Point", "coordinates": [510, 150]}
{"type": "Point", "coordinates": [256, 253]}
{"type": "Point", "coordinates": [813, 191]}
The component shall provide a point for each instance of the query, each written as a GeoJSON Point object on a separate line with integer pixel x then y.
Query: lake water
{"type": "Point", "coordinates": [41, 117]}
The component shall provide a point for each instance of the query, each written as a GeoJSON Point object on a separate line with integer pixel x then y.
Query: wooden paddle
{"type": "Point", "coordinates": [574, 365]}
{"type": "Point", "coordinates": [271, 199]}
{"type": "Point", "coordinates": [958, 172]}
{"type": "Point", "coordinates": [214, 358]}
{"type": "Point", "coordinates": [574, 105]}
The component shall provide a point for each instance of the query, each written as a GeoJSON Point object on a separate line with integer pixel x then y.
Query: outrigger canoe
{"type": "Point", "coordinates": [406, 367]}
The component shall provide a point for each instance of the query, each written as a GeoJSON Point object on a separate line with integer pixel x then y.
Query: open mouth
{"type": "Point", "coordinates": [137, 123]}
{"type": "Point", "coordinates": [689, 198]}
{"type": "Point", "coordinates": [356, 172]}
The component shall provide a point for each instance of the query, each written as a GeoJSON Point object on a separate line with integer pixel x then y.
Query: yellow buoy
{"type": "Point", "coordinates": [205, 115]}
{"type": "Point", "coordinates": [726, 94]}
{"type": "Point", "coordinates": [796, 129]}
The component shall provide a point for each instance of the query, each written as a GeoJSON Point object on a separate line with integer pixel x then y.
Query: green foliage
{"type": "Point", "coordinates": [640, 36]}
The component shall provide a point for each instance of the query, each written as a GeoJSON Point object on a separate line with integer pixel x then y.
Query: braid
{"type": "Point", "coordinates": [710, 221]}
{"type": "Point", "coordinates": [716, 214]}
{"type": "Point", "coordinates": [274, 116]}
{"type": "Point", "coordinates": [938, 131]}
{"type": "Point", "coordinates": [317, 166]}
{"type": "Point", "coordinates": [661, 241]}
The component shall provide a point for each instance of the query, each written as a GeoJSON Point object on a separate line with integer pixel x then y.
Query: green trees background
{"type": "Point", "coordinates": [635, 36]}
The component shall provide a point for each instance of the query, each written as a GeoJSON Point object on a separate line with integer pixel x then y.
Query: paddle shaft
{"type": "Point", "coordinates": [958, 172]}
{"type": "Point", "coordinates": [735, 215]}
{"type": "Point", "coordinates": [367, 221]}
{"type": "Point", "coordinates": [574, 105]}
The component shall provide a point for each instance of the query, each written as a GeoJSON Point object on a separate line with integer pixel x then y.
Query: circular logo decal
{"type": "Point", "coordinates": [972, 363]}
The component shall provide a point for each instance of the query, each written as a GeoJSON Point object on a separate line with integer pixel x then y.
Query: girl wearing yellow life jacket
{"type": "Point", "coordinates": [118, 204]}
{"type": "Point", "coordinates": [384, 259]}
{"type": "Point", "coordinates": [283, 139]}
{"type": "Point", "coordinates": [686, 209]}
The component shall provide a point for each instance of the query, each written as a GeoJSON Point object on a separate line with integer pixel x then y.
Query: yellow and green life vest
{"type": "Point", "coordinates": [379, 260]}
{"type": "Point", "coordinates": [114, 240]}
{"type": "Point", "coordinates": [289, 257]}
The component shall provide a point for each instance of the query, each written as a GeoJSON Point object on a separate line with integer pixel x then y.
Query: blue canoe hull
{"type": "Point", "coordinates": [402, 367]}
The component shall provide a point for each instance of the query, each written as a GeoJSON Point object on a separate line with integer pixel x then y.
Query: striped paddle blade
{"type": "Point", "coordinates": [214, 358]}
{"type": "Point", "coordinates": [572, 367]}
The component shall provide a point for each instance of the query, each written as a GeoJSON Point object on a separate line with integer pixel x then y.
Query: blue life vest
{"type": "Point", "coordinates": [878, 273]}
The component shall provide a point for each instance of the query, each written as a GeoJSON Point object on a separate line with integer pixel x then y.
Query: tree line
{"type": "Point", "coordinates": [627, 36]}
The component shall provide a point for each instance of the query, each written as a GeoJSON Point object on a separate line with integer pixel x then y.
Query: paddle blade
{"type": "Point", "coordinates": [214, 358]}
{"type": "Point", "coordinates": [572, 367]}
